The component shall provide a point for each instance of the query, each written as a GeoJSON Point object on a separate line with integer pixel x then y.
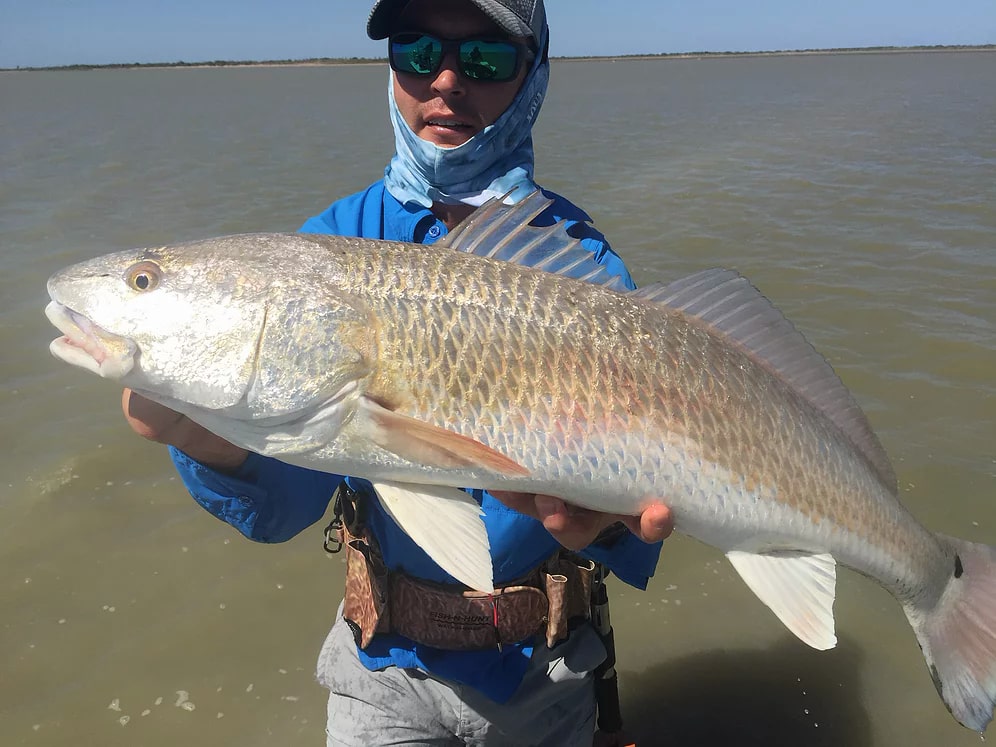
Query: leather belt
{"type": "Point", "coordinates": [549, 600]}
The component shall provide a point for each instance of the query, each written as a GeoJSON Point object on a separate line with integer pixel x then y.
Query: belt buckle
{"type": "Point", "coordinates": [333, 532]}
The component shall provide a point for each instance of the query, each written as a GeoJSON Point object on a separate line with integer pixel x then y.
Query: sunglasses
{"type": "Point", "coordinates": [496, 61]}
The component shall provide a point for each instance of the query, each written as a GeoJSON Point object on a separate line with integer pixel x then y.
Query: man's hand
{"type": "Point", "coordinates": [575, 528]}
{"type": "Point", "coordinates": [159, 423]}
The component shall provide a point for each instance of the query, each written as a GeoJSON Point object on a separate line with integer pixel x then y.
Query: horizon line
{"type": "Point", "coordinates": [635, 55]}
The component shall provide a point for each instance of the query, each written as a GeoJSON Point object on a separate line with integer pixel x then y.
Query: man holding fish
{"type": "Point", "coordinates": [434, 662]}
{"type": "Point", "coordinates": [514, 357]}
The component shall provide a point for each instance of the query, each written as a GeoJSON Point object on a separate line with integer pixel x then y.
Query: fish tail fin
{"type": "Point", "coordinates": [958, 635]}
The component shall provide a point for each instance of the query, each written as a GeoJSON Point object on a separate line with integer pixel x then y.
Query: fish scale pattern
{"type": "Point", "coordinates": [698, 393]}
{"type": "Point", "coordinates": [593, 392]}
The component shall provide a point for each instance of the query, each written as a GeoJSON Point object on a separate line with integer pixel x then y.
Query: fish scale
{"type": "Point", "coordinates": [427, 369]}
{"type": "Point", "coordinates": [739, 415]}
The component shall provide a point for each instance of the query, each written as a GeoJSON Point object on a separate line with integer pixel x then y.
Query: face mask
{"type": "Point", "coordinates": [494, 161]}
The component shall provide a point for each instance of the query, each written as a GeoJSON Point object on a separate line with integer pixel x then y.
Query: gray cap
{"type": "Point", "coordinates": [516, 17]}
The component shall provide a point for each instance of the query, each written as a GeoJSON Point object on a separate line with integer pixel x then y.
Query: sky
{"type": "Point", "coordinates": [38, 33]}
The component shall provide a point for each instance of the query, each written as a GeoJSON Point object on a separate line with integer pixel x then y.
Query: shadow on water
{"type": "Point", "coordinates": [781, 696]}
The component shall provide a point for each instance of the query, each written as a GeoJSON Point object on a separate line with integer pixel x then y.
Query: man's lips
{"type": "Point", "coordinates": [442, 127]}
{"type": "Point", "coordinates": [448, 121]}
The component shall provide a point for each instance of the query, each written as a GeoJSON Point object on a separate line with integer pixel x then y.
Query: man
{"type": "Point", "coordinates": [467, 81]}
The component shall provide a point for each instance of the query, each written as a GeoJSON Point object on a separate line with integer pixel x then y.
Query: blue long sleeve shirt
{"type": "Point", "coordinates": [270, 501]}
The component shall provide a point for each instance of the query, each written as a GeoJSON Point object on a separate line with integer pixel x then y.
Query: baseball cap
{"type": "Point", "coordinates": [524, 18]}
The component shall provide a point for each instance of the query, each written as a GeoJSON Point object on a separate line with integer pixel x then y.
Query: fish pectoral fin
{"type": "Point", "coordinates": [426, 444]}
{"type": "Point", "coordinates": [799, 587]}
{"type": "Point", "coordinates": [446, 523]}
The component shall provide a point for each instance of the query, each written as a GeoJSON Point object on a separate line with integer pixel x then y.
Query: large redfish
{"type": "Point", "coordinates": [424, 369]}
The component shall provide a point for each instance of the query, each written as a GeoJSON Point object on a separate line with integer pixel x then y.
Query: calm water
{"type": "Point", "coordinates": [857, 192]}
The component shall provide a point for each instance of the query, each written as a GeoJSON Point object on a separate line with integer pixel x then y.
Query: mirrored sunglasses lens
{"type": "Point", "coordinates": [416, 54]}
{"type": "Point", "coordinates": [484, 60]}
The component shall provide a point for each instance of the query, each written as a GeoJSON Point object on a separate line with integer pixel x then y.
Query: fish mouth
{"type": "Point", "coordinates": [88, 346]}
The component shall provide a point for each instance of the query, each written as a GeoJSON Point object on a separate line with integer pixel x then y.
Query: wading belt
{"type": "Point", "coordinates": [548, 600]}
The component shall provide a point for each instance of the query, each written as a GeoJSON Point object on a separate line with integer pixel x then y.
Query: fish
{"type": "Point", "coordinates": [507, 358]}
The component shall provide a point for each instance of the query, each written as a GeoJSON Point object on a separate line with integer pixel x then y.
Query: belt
{"type": "Point", "coordinates": [551, 599]}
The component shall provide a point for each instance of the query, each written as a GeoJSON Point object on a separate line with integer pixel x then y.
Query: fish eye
{"type": "Point", "coordinates": [143, 276]}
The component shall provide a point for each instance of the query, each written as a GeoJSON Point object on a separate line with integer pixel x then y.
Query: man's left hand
{"type": "Point", "coordinates": [575, 528]}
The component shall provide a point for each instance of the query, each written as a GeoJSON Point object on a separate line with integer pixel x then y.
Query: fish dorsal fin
{"type": "Point", "coordinates": [446, 523]}
{"type": "Point", "coordinates": [798, 587]}
{"type": "Point", "coordinates": [727, 302]}
{"type": "Point", "coordinates": [499, 231]}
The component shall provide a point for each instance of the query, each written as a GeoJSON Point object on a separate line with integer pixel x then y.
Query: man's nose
{"type": "Point", "coordinates": [447, 78]}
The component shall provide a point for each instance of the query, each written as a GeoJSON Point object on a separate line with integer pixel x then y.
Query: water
{"type": "Point", "coordinates": [856, 191]}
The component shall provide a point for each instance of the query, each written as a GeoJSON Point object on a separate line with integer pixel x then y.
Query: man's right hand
{"type": "Point", "coordinates": [159, 423]}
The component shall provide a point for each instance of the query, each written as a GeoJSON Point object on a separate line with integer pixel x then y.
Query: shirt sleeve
{"type": "Point", "coordinates": [265, 499]}
{"type": "Point", "coordinates": [630, 558]}
{"type": "Point", "coordinates": [359, 214]}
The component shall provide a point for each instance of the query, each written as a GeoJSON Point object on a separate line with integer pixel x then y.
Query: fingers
{"type": "Point", "coordinates": [147, 418]}
{"type": "Point", "coordinates": [572, 527]}
{"type": "Point", "coordinates": [576, 528]}
{"type": "Point", "coordinates": [552, 511]}
{"type": "Point", "coordinates": [158, 423]}
{"type": "Point", "coordinates": [653, 525]}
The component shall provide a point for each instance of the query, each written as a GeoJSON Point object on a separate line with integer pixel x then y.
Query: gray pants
{"type": "Point", "coordinates": [554, 705]}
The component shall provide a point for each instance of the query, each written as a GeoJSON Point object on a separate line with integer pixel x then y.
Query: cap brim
{"type": "Point", "coordinates": [382, 16]}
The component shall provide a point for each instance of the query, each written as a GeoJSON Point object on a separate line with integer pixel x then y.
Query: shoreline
{"type": "Point", "coordinates": [784, 53]}
{"type": "Point", "coordinates": [344, 62]}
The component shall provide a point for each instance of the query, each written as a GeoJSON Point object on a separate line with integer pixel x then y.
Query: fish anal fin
{"type": "Point", "coordinates": [446, 523]}
{"type": "Point", "coordinates": [799, 587]}
{"type": "Point", "coordinates": [426, 444]}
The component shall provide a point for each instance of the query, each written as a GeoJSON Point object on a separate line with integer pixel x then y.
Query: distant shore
{"type": "Point", "coordinates": [337, 61]}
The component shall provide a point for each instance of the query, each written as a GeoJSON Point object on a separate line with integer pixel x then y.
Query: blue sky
{"type": "Point", "coordinates": [63, 32]}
